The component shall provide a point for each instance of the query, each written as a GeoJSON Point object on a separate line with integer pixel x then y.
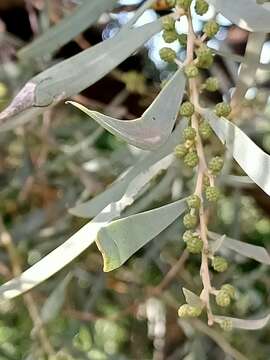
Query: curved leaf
{"type": "Point", "coordinates": [245, 324]}
{"type": "Point", "coordinates": [253, 160]}
{"type": "Point", "coordinates": [76, 244]}
{"type": "Point", "coordinates": [255, 252]}
{"type": "Point", "coordinates": [75, 74]}
{"type": "Point", "coordinates": [67, 29]}
{"type": "Point", "coordinates": [247, 14]}
{"type": "Point", "coordinates": [92, 207]}
{"type": "Point", "coordinates": [153, 128]}
{"type": "Point", "coordinates": [120, 239]}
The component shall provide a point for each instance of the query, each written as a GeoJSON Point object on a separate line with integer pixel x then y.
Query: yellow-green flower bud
{"type": "Point", "coordinates": [205, 57]}
{"type": "Point", "coordinates": [201, 7]}
{"type": "Point", "coordinates": [219, 264]}
{"type": "Point", "coordinates": [189, 311]}
{"type": "Point", "coordinates": [223, 109]}
{"type": "Point", "coordinates": [229, 289]}
{"type": "Point", "coordinates": [187, 109]}
{"type": "Point", "coordinates": [167, 54]}
{"type": "Point", "coordinates": [169, 36]}
{"type": "Point", "coordinates": [191, 159]}
{"type": "Point", "coordinates": [189, 133]}
{"type": "Point", "coordinates": [184, 4]}
{"type": "Point", "coordinates": [168, 23]}
{"type": "Point", "coordinates": [194, 201]}
{"type": "Point", "coordinates": [205, 130]}
{"type": "Point", "coordinates": [191, 71]}
{"type": "Point", "coordinates": [195, 245]}
{"type": "Point", "coordinates": [211, 84]}
{"type": "Point", "coordinates": [188, 235]}
{"type": "Point", "coordinates": [223, 299]}
{"type": "Point", "coordinates": [216, 164]}
{"type": "Point", "coordinates": [182, 38]}
{"type": "Point", "coordinates": [226, 325]}
{"type": "Point", "coordinates": [212, 193]}
{"type": "Point", "coordinates": [180, 151]}
{"type": "Point", "coordinates": [211, 28]}
{"type": "Point", "coordinates": [190, 221]}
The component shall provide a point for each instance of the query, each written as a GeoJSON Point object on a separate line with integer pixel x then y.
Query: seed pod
{"type": "Point", "coordinates": [226, 325]}
{"type": "Point", "coordinates": [187, 109]}
{"type": "Point", "coordinates": [194, 201]}
{"type": "Point", "coordinates": [205, 130]}
{"type": "Point", "coordinates": [180, 151]}
{"type": "Point", "coordinates": [190, 221]}
{"type": "Point", "coordinates": [168, 23]}
{"type": "Point", "coordinates": [223, 109]}
{"type": "Point", "coordinates": [191, 71]}
{"type": "Point", "coordinates": [169, 36]}
{"type": "Point", "coordinates": [211, 84]}
{"type": "Point", "coordinates": [195, 245]}
{"type": "Point", "coordinates": [223, 299]}
{"type": "Point", "coordinates": [219, 264]}
{"type": "Point", "coordinates": [167, 54]}
{"type": "Point", "coordinates": [201, 7]}
{"type": "Point", "coordinates": [216, 164]}
{"type": "Point", "coordinates": [212, 193]}
{"type": "Point", "coordinates": [191, 159]}
{"type": "Point", "coordinates": [189, 311]}
{"type": "Point", "coordinates": [182, 38]}
{"type": "Point", "coordinates": [229, 289]}
{"type": "Point", "coordinates": [211, 28]}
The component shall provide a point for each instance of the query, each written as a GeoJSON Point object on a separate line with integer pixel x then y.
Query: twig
{"type": "Point", "coordinates": [39, 329]}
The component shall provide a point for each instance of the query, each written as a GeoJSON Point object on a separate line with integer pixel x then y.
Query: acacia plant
{"type": "Point", "coordinates": [181, 126]}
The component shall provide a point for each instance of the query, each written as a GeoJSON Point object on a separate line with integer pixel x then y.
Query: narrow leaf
{"type": "Point", "coordinates": [55, 301]}
{"type": "Point", "coordinates": [120, 239]}
{"type": "Point", "coordinates": [253, 160]}
{"type": "Point", "coordinates": [75, 74]}
{"type": "Point", "coordinates": [192, 299]}
{"type": "Point", "coordinates": [248, 324]}
{"type": "Point", "coordinates": [153, 128]}
{"type": "Point", "coordinates": [247, 14]}
{"type": "Point", "coordinates": [217, 244]}
{"type": "Point", "coordinates": [248, 69]}
{"type": "Point", "coordinates": [92, 207]}
{"type": "Point", "coordinates": [255, 252]}
{"type": "Point", "coordinates": [67, 29]}
{"type": "Point", "coordinates": [75, 245]}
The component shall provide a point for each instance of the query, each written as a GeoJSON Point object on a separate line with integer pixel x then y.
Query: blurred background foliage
{"type": "Point", "coordinates": [63, 158]}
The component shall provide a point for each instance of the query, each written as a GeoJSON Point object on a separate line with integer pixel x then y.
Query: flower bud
{"type": "Point", "coordinates": [201, 7]}
{"type": "Point", "coordinates": [216, 164]}
{"type": "Point", "coordinates": [223, 109]}
{"type": "Point", "coordinates": [191, 159]}
{"type": "Point", "coordinates": [223, 299]}
{"type": "Point", "coordinates": [194, 201]}
{"type": "Point", "coordinates": [189, 311]}
{"type": "Point", "coordinates": [191, 71]}
{"type": "Point", "coordinates": [190, 221]}
{"type": "Point", "coordinates": [167, 54]}
{"type": "Point", "coordinates": [169, 36]}
{"type": "Point", "coordinates": [168, 23]}
{"type": "Point", "coordinates": [211, 28]}
{"type": "Point", "coordinates": [219, 264]}
{"type": "Point", "coordinates": [212, 193]}
{"type": "Point", "coordinates": [187, 109]}
{"type": "Point", "coordinates": [180, 151]}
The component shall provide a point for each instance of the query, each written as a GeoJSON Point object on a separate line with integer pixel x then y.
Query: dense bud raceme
{"type": "Point", "coordinates": [205, 130]}
{"type": "Point", "coordinates": [211, 28]}
{"type": "Point", "coordinates": [167, 54]}
{"type": "Point", "coordinates": [219, 264]}
{"type": "Point", "coordinates": [212, 193]}
{"type": "Point", "coordinates": [189, 311]}
{"type": "Point", "coordinates": [189, 133]}
{"type": "Point", "coordinates": [182, 38]}
{"type": "Point", "coordinates": [211, 84]}
{"type": "Point", "coordinates": [191, 159]}
{"type": "Point", "coordinates": [187, 109]}
{"type": "Point", "coordinates": [195, 245]}
{"type": "Point", "coordinates": [201, 7]}
{"type": "Point", "coordinates": [229, 289]}
{"type": "Point", "coordinates": [226, 325]}
{"type": "Point", "coordinates": [180, 151]}
{"type": "Point", "coordinates": [184, 4]}
{"type": "Point", "coordinates": [191, 71]}
{"type": "Point", "coordinates": [169, 36]}
{"type": "Point", "coordinates": [168, 23]}
{"type": "Point", "coordinates": [222, 298]}
{"type": "Point", "coordinates": [190, 221]}
{"type": "Point", "coordinates": [194, 201]}
{"type": "Point", "coordinates": [222, 109]}
{"type": "Point", "coordinates": [216, 164]}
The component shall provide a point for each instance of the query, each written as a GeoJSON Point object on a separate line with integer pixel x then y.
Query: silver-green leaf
{"type": "Point", "coordinates": [253, 160]}
{"type": "Point", "coordinates": [192, 299]}
{"type": "Point", "coordinates": [245, 324]}
{"type": "Point", "coordinates": [120, 239]}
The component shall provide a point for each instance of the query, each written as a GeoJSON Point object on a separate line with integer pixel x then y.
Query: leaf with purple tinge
{"type": "Point", "coordinates": [153, 128]}
{"type": "Point", "coordinates": [245, 324]}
